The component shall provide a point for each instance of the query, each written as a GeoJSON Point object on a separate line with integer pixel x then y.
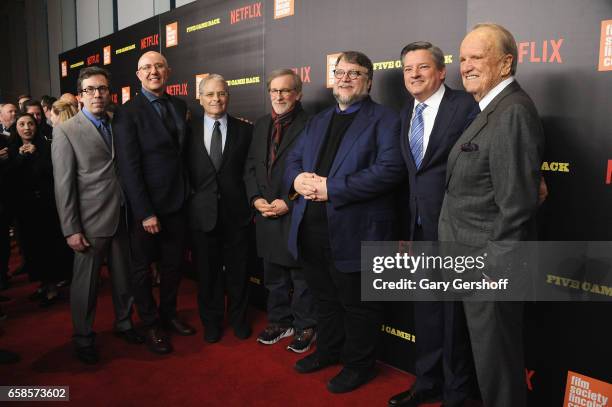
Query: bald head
{"type": "Point", "coordinates": [153, 72]}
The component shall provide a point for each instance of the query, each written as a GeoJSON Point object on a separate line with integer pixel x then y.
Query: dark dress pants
{"type": "Point", "coordinates": [5, 248]}
{"type": "Point", "coordinates": [167, 249]}
{"type": "Point", "coordinates": [220, 259]}
{"type": "Point", "coordinates": [348, 328]}
{"type": "Point", "coordinates": [284, 308]}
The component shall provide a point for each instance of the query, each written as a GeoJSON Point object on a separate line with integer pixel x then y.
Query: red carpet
{"type": "Point", "coordinates": [229, 373]}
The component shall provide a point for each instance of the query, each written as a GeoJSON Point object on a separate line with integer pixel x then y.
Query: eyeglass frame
{"type": "Point", "coordinates": [91, 90]}
{"type": "Point", "coordinates": [277, 92]}
{"type": "Point", "coordinates": [353, 74]}
{"type": "Point", "coordinates": [148, 68]}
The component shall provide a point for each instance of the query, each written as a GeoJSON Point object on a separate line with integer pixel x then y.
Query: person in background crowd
{"type": "Point", "coordinates": [345, 168]}
{"type": "Point", "coordinates": [21, 99]}
{"type": "Point", "coordinates": [34, 108]}
{"type": "Point", "coordinates": [91, 208]}
{"type": "Point", "coordinates": [219, 213]}
{"type": "Point", "coordinates": [31, 178]}
{"type": "Point", "coordinates": [150, 135]}
{"type": "Point", "coordinates": [70, 98]}
{"type": "Point", "coordinates": [8, 112]}
{"type": "Point", "coordinates": [46, 102]}
{"type": "Point", "coordinates": [273, 136]}
{"type": "Point", "coordinates": [432, 121]}
{"type": "Point", "coordinates": [491, 199]}
{"type": "Point", "coordinates": [5, 249]}
{"type": "Point", "coordinates": [61, 111]}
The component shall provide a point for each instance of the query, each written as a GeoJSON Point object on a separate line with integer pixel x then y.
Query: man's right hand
{"type": "Point", "coordinates": [151, 225]}
{"type": "Point", "coordinates": [77, 242]}
{"type": "Point", "coordinates": [303, 184]}
{"type": "Point", "coordinates": [3, 153]}
{"type": "Point", "coordinates": [263, 207]}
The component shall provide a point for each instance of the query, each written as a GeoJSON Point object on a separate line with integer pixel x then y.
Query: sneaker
{"type": "Point", "coordinates": [302, 341]}
{"type": "Point", "coordinates": [274, 333]}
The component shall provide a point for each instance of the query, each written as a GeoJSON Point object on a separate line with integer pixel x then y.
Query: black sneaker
{"type": "Point", "coordinates": [274, 333]}
{"type": "Point", "coordinates": [303, 340]}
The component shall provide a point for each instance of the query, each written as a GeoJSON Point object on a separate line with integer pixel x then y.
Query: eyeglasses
{"type": "Point", "coordinates": [90, 90]}
{"type": "Point", "coordinates": [280, 92]}
{"type": "Point", "coordinates": [221, 94]}
{"type": "Point", "coordinates": [148, 68]}
{"type": "Point", "coordinates": [352, 74]}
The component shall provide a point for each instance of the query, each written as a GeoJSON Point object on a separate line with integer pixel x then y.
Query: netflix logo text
{"type": "Point", "coordinates": [245, 13]}
{"type": "Point", "coordinates": [546, 51]}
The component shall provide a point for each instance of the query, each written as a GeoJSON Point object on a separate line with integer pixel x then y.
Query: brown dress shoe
{"type": "Point", "coordinates": [156, 342]}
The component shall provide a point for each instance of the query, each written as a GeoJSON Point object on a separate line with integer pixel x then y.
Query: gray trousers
{"type": "Point", "coordinates": [496, 334]}
{"type": "Point", "coordinates": [84, 288]}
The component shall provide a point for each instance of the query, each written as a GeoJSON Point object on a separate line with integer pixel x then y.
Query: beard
{"type": "Point", "coordinates": [349, 100]}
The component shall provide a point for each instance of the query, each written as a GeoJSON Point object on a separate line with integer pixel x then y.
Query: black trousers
{"type": "Point", "coordinates": [220, 260]}
{"type": "Point", "coordinates": [167, 249]}
{"type": "Point", "coordinates": [5, 249]}
{"type": "Point", "coordinates": [348, 328]}
{"type": "Point", "coordinates": [290, 302]}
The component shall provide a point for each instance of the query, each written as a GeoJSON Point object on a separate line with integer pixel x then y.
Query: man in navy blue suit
{"type": "Point", "coordinates": [342, 173]}
{"type": "Point", "coordinates": [432, 121]}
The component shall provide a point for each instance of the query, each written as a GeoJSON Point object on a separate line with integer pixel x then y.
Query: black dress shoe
{"type": "Point", "coordinates": [349, 380]}
{"type": "Point", "coordinates": [8, 357]}
{"type": "Point", "coordinates": [413, 397]}
{"type": "Point", "coordinates": [87, 355]}
{"type": "Point", "coordinates": [156, 342]}
{"type": "Point", "coordinates": [313, 363]}
{"type": "Point", "coordinates": [131, 336]}
{"type": "Point", "coordinates": [242, 331]}
{"type": "Point", "coordinates": [177, 326]}
{"type": "Point", "coordinates": [212, 333]}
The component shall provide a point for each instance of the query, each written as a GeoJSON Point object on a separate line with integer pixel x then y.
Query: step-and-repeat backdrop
{"type": "Point", "coordinates": [565, 64]}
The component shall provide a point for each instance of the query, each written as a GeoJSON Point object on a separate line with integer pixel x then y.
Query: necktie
{"type": "Point", "coordinates": [166, 115]}
{"type": "Point", "coordinates": [216, 154]}
{"type": "Point", "coordinates": [106, 133]}
{"type": "Point", "coordinates": [416, 134]}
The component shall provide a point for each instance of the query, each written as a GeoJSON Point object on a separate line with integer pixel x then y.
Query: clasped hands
{"type": "Point", "coordinates": [273, 209]}
{"type": "Point", "coordinates": [311, 186]}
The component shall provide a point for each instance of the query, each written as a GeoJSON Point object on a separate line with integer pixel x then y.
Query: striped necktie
{"type": "Point", "coordinates": [416, 134]}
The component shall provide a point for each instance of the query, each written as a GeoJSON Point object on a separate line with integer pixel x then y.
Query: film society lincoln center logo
{"type": "Point", "coordinates": [64, 69]}
{"type": "Point", "coordinates": [584, 391]}
{"type": "Point", "coordinates": [172, 34]}
{"type": "Point", "coordinates": [283, 8]}
{"type": "Point", "coordinates": [605, 46]}
{"type": "Point", "coordinates": [331, 65]}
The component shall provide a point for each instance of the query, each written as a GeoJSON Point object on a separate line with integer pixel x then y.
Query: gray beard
{"type": "Point", "coordinates": [350, 100]}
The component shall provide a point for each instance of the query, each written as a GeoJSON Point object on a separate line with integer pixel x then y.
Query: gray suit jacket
{"type": "Point", "coordinates": [493, 174]}
{"type": "Point", "coordinates": [87, 190]}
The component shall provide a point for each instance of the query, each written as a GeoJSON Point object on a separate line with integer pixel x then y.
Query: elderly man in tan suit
{"type": "Point", "coordinates": [90, 206]}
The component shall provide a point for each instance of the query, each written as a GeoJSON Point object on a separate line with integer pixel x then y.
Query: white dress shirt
{"type": "Point", "coordinates": [484, 102]}
{"type": "Point", "coordinates": [429, 114]}
{"type": "Point", "coordinates": [209, 125]}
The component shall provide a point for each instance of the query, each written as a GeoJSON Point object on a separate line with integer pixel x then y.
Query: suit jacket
{"type": "Point", "coordinates": [272, 234]}
{"type": "Point", "coordinates": [151, 161]}
{"type": "Point", "coordinates": [361, 182]}
{"type": "Point", "coordinates": [426, 184]}
{"type": "Point", "coordinates": [87, 190]}
{"type": "Point", "coordinates": [219, 196]}
{"type": "Point", "coordinates": [493, 175]}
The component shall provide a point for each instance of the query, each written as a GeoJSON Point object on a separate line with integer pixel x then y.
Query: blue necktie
{"type": "Point", "coordinates": [416, 134]}
{"type": "Point", "coordinates": [106, 134]}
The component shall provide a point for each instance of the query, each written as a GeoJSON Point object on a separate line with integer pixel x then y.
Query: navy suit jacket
{"type": "Point", "coordinates": [151, 162]}
{"type": "Point", "coordinates": [427, 183]}
{"type": "Point", "coordinates": [361, 181]}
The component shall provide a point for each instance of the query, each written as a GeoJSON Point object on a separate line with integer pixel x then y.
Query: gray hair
{"type": "Point", "coordinates": [212, 77]}
{"type": "Point", "coordinates": [297, 81]}
{"type": "Point", "coordinates": [436, 53]}
{"type": "Point", "coordinates": [505, 42]}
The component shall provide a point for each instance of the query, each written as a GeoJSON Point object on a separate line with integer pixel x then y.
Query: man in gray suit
{"type": "Point", "coordinates": [491, 197]}
{"type": "Point", "coordinates": [90, 206]}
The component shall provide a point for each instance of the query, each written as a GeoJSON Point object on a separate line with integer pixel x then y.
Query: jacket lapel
{"type": "Point", "coordinates": [405, 141]}
{"type": "Point", "coordinates": [291, 134]}
{"type": "Point", "coordinates": [198, 142]}
{"type": "Point", "coordinates": [90, 132]}
{"type": "Point", "coordinates": [359, 125]}
{"type": "Point", "coordinates": [318, 135]}
{"type": "Point", "coordinates": [230, 141]}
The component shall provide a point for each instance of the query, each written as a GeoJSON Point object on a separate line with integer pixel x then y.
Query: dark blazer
{"type": "Point", "coordinates": [272, 234]}
{"type": "Point", "coordinates": [151, 162]}
{"type": "Point", "coordinates": [426, 184]}
{"type": "Point", "coordinates": [492, 186]}
{"type": "Point", "coordinates": [361, 182]}
{"type": "Point", "coordinates": [219, 195]}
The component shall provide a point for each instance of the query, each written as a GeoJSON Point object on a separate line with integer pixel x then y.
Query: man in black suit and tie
{"type": "Point", "coordinates": [219, 212]}
{"type": "Point", "coordinates": [150, 134]}
{"type": "Point", "coordinates": [431, 123]}
{"type": "Point", "coordinates": [274, 134]}
{"type": "Point", "coordinates": [491, 200]}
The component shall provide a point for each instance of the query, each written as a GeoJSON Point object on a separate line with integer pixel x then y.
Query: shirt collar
{"type": "Point", "coordinates": [96, 121]}
{"type": "Point", "coordinates": [351, 109]}
{"type": "Point", "coordinates": [434, 100]}
{"type": "Point", "coordinates": [484, 102]}
{"type": "Point", "coordinates": [150, 96]}
{"type": "Point", "coordinates": [209, 122]}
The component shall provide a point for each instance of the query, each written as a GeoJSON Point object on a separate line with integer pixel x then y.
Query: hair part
{"type": "Point", "coordinates": [212, 77]}
{"type": "Point", "coordinates": [436, 52]}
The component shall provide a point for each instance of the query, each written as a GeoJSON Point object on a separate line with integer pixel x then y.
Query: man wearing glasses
{"type": "Point", "coordinates": [150, 134]}
{"type": "Point", "coordinates": [273, 137]}
{"type": "Point", "coordinates": [219, 213]}
{"type": "Point", "coordinates": [342, 174]}
{"type": "Point", "coordinates": [91, 212]}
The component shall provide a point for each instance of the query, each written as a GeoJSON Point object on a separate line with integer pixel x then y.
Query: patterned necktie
{"type": "Point", "coordinates": [216, 152]}
{"type": "Point", "coordinates": [416, 134]}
